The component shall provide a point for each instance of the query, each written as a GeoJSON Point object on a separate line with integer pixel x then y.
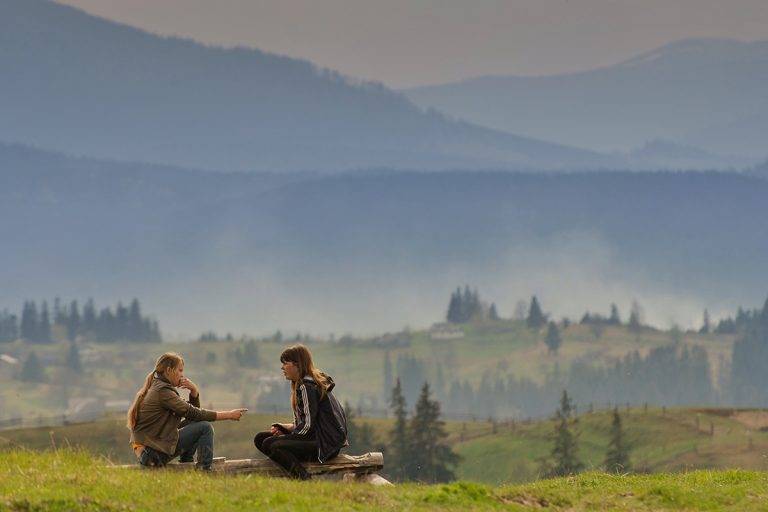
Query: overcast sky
{"type": "Point", "coordinates": [416, 42]}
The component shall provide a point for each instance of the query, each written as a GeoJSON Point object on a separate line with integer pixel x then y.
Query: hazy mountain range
{"type": "Point", "coordinates": [369, 251]}
{"type": "Point", "coordinates": [87, 86]}
{"type": "Point", "coordinates": [706, 93]}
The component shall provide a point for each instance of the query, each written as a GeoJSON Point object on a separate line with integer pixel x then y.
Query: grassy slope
{"type": "Point", "coordinates": [66, 480]}
{"type": "Point", "coordinates": [661, 441]}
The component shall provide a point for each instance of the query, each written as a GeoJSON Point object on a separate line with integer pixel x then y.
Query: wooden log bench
{"type": "Point", "coordinates": [359, 468]}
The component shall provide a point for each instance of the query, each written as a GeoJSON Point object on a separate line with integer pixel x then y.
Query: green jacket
{"type": "Point", "coordinates": [160, 415]}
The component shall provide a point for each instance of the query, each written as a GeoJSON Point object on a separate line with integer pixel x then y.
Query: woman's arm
{"type": "Point", "coordinates": [234, 414]}
{"type": "Point", "coordinates": [310, 402]}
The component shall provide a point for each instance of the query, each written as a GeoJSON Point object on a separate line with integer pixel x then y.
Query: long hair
{"type": "Point", "coordinates": [302, 357]}
{"type": "Point", "coordinates": [168, 360]}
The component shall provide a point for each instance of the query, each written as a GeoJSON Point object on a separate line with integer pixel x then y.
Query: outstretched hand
{"type": "Point", "coordinates": [236, 414]}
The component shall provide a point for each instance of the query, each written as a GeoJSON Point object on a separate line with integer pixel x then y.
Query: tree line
{"type": "Point", "coordinates": [39, 324]}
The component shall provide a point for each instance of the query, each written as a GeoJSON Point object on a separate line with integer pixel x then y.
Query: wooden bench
{"type": "Point", "coordinates": [360, 468]}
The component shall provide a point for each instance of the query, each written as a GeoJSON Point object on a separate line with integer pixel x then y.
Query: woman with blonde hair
{"type": "Point", "coordinates": [319, 429]}
{"type": "Point", "coordinates": [158, 433]}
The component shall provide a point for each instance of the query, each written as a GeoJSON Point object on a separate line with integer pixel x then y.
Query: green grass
{"type": "Point", "coordinates": [67, 480]}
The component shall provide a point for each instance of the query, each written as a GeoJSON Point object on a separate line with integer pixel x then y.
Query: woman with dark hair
{"type": "Point", "coordinates": [319, 429]}
{"type": "Point", "coordinates": [158, 433]}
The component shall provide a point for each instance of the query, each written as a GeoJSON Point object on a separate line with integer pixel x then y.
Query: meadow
{"type": "Point", "coordinates": [70, 480]}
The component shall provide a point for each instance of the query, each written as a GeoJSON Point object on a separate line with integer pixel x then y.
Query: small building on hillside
{"type": "Point", "coordinates": [446, 331]}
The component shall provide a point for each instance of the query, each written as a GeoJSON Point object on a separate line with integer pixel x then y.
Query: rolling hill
{"type": "Point", "coordinates": [88, 86]}
{"type": "Point", "coordinates": [703, 92]}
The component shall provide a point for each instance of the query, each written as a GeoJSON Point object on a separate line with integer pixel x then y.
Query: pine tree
{"type": "Point", "coordinates": [553, 339]}
{"type": "Point", "coordinates": [454, 308]}
{"type": "Point", "coordinates": [29, 321]}
{"type": "Point", "coordinates": [73, 358]}
{"type": "Point", "coordinates": [617, 457]}
{"type": "Point", "coordinates": [431, 459]}
{"type": "Point", "coordinates": [89, 317]}
{"type": "Point", "coordinates": [32, 370]}
{"type": "Point", "coordinates": [135, 329]}
{"type": "Point", "coordinates": [536, 318]}
{"type": "Point", "coordinates": [493, 314]}
{"type": "Point", "coordinates": [121, 323]}
{"type": "Point", "coordinates": [563, 457]}
{"type": "Point", "coordinates": [399, 445]}
{"type": "Point", "coordinates": [706, 326]}
{"type": "Point", "coordinates": [614, 319]}
{"type": "Point", "coordinates": [635, 317]}
{"type": "Point", "coordinates": [44, 328]}
{"type": "Point", "coordinates": [73, 321]}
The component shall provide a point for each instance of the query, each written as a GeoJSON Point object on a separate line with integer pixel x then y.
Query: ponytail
{"type": "Point", "coordinates": [165, 361]}
{"type": "Point", "coordinates": [133, 412]}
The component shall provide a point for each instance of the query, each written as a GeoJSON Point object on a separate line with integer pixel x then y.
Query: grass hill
{"type": "Point", "coordinates": [88, 86]}
{"type": "Point", "coordinates": [661, 440]}
{"type": "Point", "coordinates": [67, 480]}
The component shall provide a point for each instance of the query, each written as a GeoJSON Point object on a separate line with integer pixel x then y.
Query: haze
{"type": "Point", "coordinates": [404, 43]}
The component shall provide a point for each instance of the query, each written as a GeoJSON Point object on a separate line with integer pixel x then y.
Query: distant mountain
{"type": "Point", "coordinates": [84, 85]}
{"type": "Point", "coordinates": [370, 251]}
{"type": "Point", "coordinates": [686, 92]}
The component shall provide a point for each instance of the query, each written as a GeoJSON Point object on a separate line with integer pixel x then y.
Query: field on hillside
{"type": "Point", "coordinates": [501, 348]}
{"type": "Point", "coordinates": [671, 440]}
{"type": "Point", "coordinates": [66, 480]}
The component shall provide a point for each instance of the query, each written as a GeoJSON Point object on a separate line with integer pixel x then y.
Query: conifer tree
{"type": "Point", "coordinates": [431, 459]}
{"type": "Point", "coordinates": [635, 317]}
{"type": "Point", "coordinates": [73, 321]}
{"type": "Point", "coordinates": [706, 326]}
{"type": "Point", "coordinates": [398, 437]}
{"type": "Point", "coordinates": [536, 318]}
{"type": "Point", "coordinates": [89, 317]}
{"type": "Point", "coordinates": [73, 358]}
{"type": "Point", "coordinates": [44, 328]}
{"type": "Point", "coordinates": [563, 457]}
{"type": "Point", "coordinates": [136, 330]}
{"type": "Point", "coordinates": [492, 313]}
{"type": "Point", "coordinates": [553, 339]}
{"type": "Point", "coordinates": [29, 321]}
{"type": "Point", "coordinates": [32, 370]}
{"type": "Point", "coordinates": [454, 308]}
{"type": "Point", "coordinates": [614, 319]}
{"type": "Point", "coordinates": [617, 457]}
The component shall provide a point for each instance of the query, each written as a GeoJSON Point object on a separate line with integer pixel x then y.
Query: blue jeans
{"type": "Point", "coordinates": [196, 437]}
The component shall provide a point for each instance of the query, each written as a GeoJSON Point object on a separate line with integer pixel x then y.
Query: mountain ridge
{"type": "Point", "coordinates": [671, 92]}
{"type": "Point", "coordinates": [90, 86]}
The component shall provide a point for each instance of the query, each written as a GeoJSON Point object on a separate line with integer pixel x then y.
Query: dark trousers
{"type": "Point", "coordinates": [288, 451]}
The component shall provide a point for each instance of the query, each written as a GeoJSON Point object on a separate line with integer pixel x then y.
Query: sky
{"type": "Point", "coordinates": [406, 43]}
